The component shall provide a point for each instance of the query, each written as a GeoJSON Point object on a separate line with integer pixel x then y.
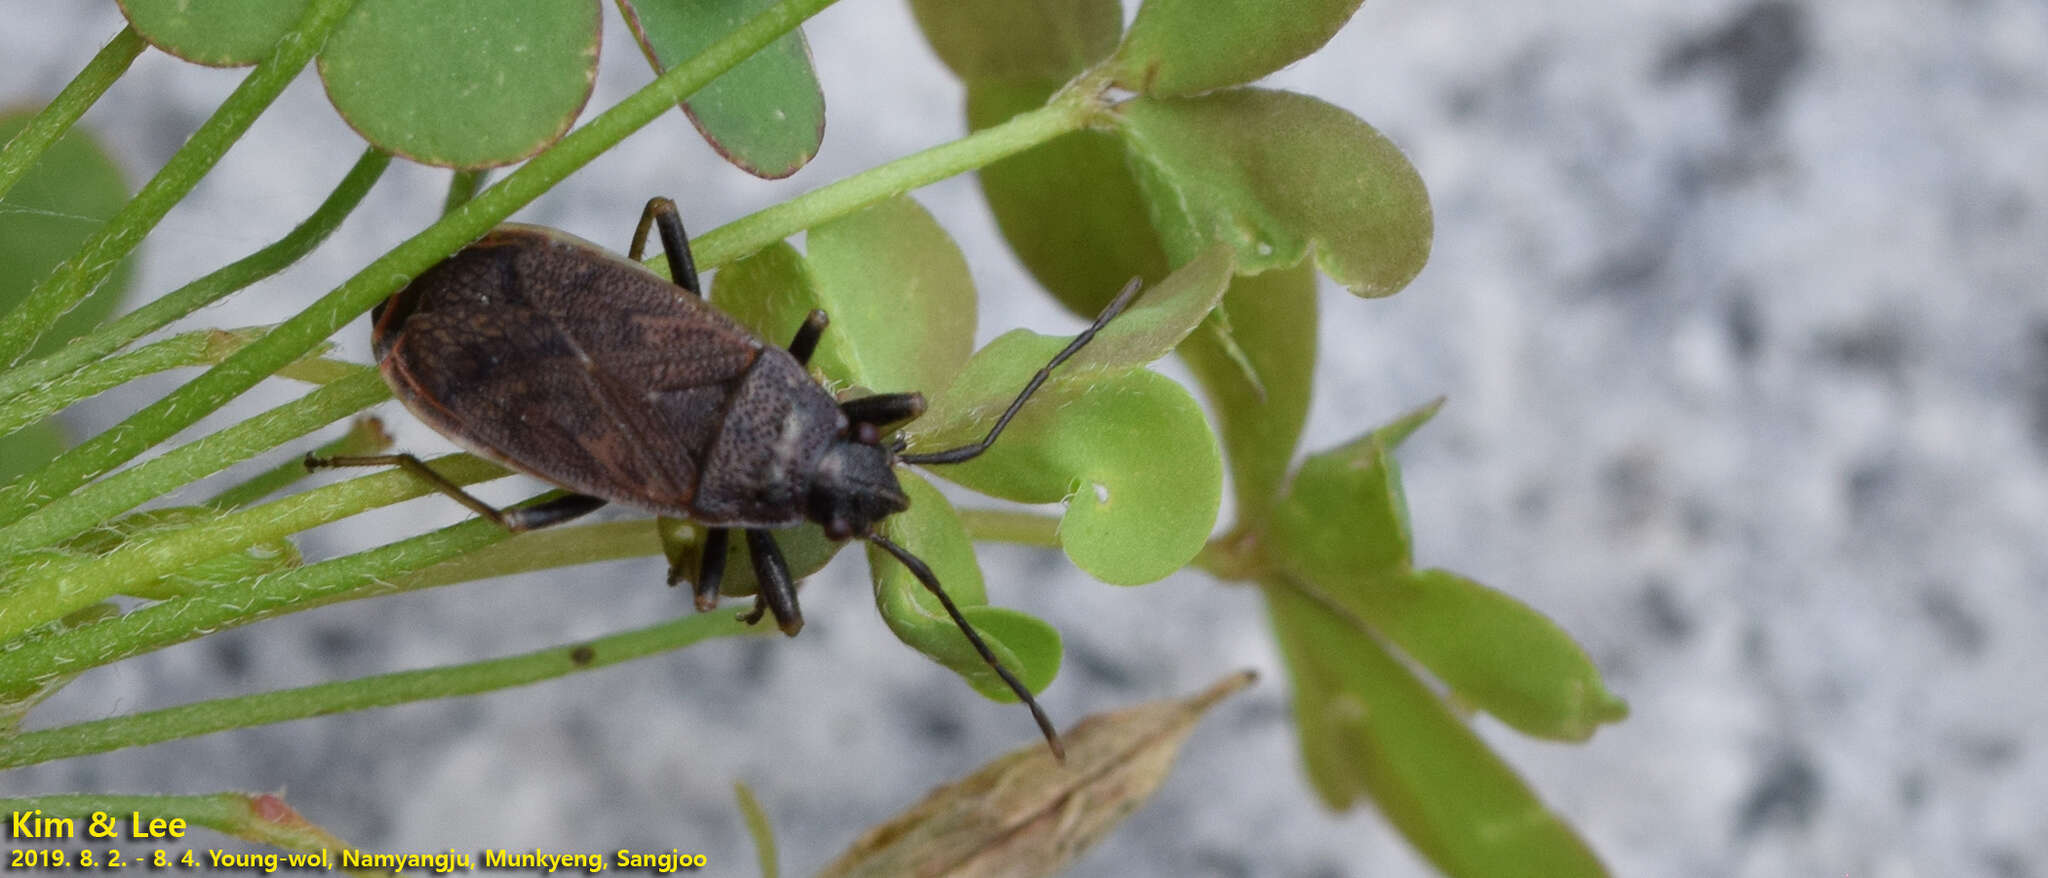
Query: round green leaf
{"type": "Point", "coordinates": [770, 292]}
{"type": "Point", "coordinates": [931, 530]}
{"type": "Point", "coordinates": [1179, 47]}
{"type": "Point", "coordinates": [48, 214]}
{"type": "Point", "coordinates": [1256, 359]}
{"type": "Point", "coordinates": [766, 115]}
{"type": "Point", "coordinates": [1274, 174]}
{"type": "Point", "coordinates": [462, 83]}
{"type": "Point", "coordinates": [1134, 461]}
{"type": "Point", "coordinates": [899, 294]}
{"type": "Point", "coordinates": [897, 290]}
{"type": "Point", "coordinates": [1145, 331]}
{"type": "Point", "coordinates": [217, 33]}
{"type": "Point", "coordinates": [1369, 727]}
{"type": "Point", "coordinates": [1069, 208]}
{"type": "Point", "coordinates": [1019, 39]}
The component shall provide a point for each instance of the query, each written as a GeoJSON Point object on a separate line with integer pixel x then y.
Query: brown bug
{"type": "Point", "coordinates": [563, 361]}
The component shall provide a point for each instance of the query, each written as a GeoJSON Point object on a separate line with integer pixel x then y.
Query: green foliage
{"type": "Point", "coordinates": [217, 33]}
{"type": "Point", "coordinates": [462, 83]}
{"type": "Point", "coordinates": [767, 115]}
{"type": "Point", "coordinates": [1104, 156]}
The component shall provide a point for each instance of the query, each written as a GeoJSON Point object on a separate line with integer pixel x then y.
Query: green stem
{"type": "Point", "coordinates": [71, 281]}
{"type": "Point", "coordinates": [382, 690]}
{"type": "Point", "coordinates": [261, 818]}
{"type": "Point", "coordinates": [139, 484]}
{"type": "Point", "coordinates": [444, 557]}
{"type": "Point", "coordinates": [186, 349]}
{"type": "Point", "coordinates": [382, 277]}
{"type": "Point", "coordinates": [980, 149]}
{"type": "Point", "coordinates": [50, 591]}
{"type": "Point", "coordinates": [1011, 526]}
{"type": "Point", "coordinates": [22, 152]}
{"type": "Point", "coordinates": [209, 289]}
{"type": "Point", "coordinates": [462, 187]}
{"type": "Point", "coordinates": [365, 436]}
{"type": "Point", "coordinates": [758, 826]}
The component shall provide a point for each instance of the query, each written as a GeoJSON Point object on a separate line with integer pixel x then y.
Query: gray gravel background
{"type": "Point", "coordinates": [1739, 308]}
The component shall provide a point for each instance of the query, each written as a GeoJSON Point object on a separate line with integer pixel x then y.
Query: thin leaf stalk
{"type": "Point", "coordinates": [27, 146]}
{"type": "Point", "coordinates": [53, 590]}
{"type": "Point", "coordinates": [231, 278]}
{"type": "Point", "coordinates": [382, 690]}
{"type": "Point", "coordinates": [78, 276]}
{"type": "Point", "coordinates": [139, 484]}
{"type": "Point", "coordinates": [750, 233]}
{"type": "Point", "coordinates": [447, 556]}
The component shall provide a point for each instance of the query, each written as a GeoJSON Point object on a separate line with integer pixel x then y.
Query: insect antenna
{"type": "Point", "coordinates": [969, 452]}
{"type": "Point", "coordinates": [924, 575]}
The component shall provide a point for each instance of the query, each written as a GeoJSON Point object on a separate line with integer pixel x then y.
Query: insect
{"type": "Point", "coordinates": [562, 360]}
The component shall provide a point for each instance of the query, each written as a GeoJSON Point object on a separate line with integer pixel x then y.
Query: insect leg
{"type": "Point", "coordinates": [776, 592]}
{"type": "Point", "coordinates": [807, 335]}
{"type": "Point", "coordinates": [883, 409]}
{"type": "Point", "coordinates": [682, 268]}
{"type": "Point", "coordinates": [930, 580]}
{"type": "Point", "coordinates": [514, 519]}
{"type": "Point", "coordinates": [968, 452]}
{"type": "Point", "coordinates": [710, 568]}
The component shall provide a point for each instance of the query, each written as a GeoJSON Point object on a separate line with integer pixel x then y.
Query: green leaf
{"type": "Point", "coordinates": [896, 287]}
{"type": "Point", "coordinates": [1179, 47]}
{"type": "Point", "coordinates": [766, 115]}
{"type": "Point", "coordinates": [1069, 209]}
{"type": "Point", "coordinates": [769, 292]}
{"type": "Point", "coordinates": [1343, 528]}
{"type": "Point", "coordinates": [48, 215]}
{"type": "Point", "coordinates": [1146, 331]}
{"type": "Point", "coordinates": [899, 294]}
{"type": "Point", "coordinates": [1369, 727]}
{"type": "Point", "coordinates": [1256, 359]}
{"type": "Point", "coordinates": [1344, 515]}
{"type": "Point", "coordinates": [1495, 652]}
{"type": "Point", "coordinates": [462, 83]}
{"type": "Point", "coordinates": [1276, 175]}
{"type": "Point", "coordinates": [1135, 463]}
{"type": "Point", "coordinates": [1019, 39]}
{"type": "Point", "coordinates": [930, 529]}
{"type": "Point", "coordinates": [216, 33]}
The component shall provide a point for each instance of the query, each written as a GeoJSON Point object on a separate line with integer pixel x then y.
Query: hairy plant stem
{"type": "Point", "coordinates": [1011, 526]}
{"type": "Point", "coordinates": [383, 276]}
{"type": "Point", "coordinates": [27, 146]}
{"type": "Point", "coordinates": [365, 436]}
{"type": "Point", "coordinates": [49, 591]}
{"type": "Point", "coordinates": [443, 557]}
{"type": "Point", "coordinates": [980, 149]}
{"type": "Point", "coordinates": [139, 484]}
{"type": "Point", "coordinates": [78, 276]}
{"type": "Point", "coordinates": [206, 290]}
{"type": "Point", "coordinates": [382, 690]}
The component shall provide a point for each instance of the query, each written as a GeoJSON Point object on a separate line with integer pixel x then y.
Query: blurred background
{"type": "Point", "coordinates": [1739, 307]}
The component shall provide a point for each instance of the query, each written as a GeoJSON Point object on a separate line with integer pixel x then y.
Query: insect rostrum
{"type": "Point", "coordinates": [567, 362]}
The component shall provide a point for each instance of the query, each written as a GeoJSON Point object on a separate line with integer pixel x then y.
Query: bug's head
{"type": "Point", "coordinates": [854, 487]}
